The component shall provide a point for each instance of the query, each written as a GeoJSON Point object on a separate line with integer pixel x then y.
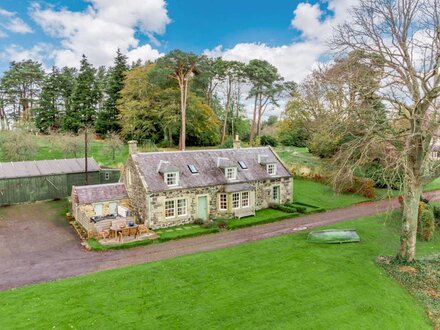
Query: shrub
{"type": "Point", "coordinates": [267, 140]}
{"type": "Point", "coordinates": [284, 208]}
{"type": "Point", "coordinates": [427, 224]}
{"type": "Point", "coordinates": [357, 185]}
{"type": "Point", "coordinates": [436, 212]}
{"type": "Point", "coordinates": [199, 221]}
{"type": "Point", "coordinates": [227, 144]}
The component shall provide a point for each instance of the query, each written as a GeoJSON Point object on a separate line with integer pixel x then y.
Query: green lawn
{"type": "Point", "coordinates": [261, 216]}
{"type": "Point", "coordinates": [321, 195]}
{"type": "Point", "coordinates": [282, 283]}
{"type": "Point", "coordinates": [47, 149]}
{"type": "Point", "coordinates": [295, 156]}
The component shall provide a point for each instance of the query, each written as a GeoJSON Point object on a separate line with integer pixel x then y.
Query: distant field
{"type": "Point", "coordinates": [284, 283]}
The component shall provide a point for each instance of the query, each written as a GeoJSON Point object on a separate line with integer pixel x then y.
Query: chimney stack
{"type": "Point", "coordinates": [132, 147]}
{"type": "Point", "coordinates": [237, 144]}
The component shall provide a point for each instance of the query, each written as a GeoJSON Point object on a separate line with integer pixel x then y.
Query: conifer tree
{"type": "Point", "coordinates": [107, 120]}
{"type": "Point", "coordinates": [85, 97]}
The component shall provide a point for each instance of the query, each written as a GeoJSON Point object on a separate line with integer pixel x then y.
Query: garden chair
{"type": "Point", "coordinates": [133, 231]}
{"type": "Point", "coordinates": [142, 229]}
{"type": "Point", "coordinates": [124, 232]}
{"type": "Point", "coordinates": [103, 234]}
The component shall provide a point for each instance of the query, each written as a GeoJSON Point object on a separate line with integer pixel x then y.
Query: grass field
{"type": "Point", "coordinates": [321, 195]}
{"type": "Point", "coordinates": [282, 283]}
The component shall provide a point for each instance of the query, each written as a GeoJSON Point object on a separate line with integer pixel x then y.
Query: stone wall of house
{"type": "Point", "coordinates": [261, 198]}
{"type": "Point", "coordinates": [83, 213]}
{"type": "Point", "coordinates": [136, 191]}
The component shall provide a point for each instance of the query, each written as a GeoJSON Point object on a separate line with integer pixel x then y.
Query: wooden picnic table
{"type": "Point", "coordinates": [115, 230]}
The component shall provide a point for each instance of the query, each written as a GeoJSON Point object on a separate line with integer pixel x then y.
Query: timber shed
{"type": "Point", "coordinates": [30, 181]}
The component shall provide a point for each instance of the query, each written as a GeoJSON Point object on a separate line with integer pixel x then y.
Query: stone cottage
{"type": "Point", "coordinates": [94, 207]}
{"type": "Point", "coordinates": [178, 187]}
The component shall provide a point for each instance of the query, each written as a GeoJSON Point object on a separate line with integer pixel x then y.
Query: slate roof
{"type": "Point", "coordinates": [46, 167]}
{"type": "Point", "coordinates": [99, 193]}
{"type": "Point", "coordinates": [206, 162]}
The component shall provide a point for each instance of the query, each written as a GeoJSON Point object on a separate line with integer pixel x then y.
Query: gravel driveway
{"type": "Point", "coordinates": [37, 244]}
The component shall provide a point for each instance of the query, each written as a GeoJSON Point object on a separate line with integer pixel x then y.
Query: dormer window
{"type": "Point", "coordinates": [231, 173]}
{"type": "Point", "coordinates": [171, 178]}
{"type": "Point", "coordinates": [271, 169]}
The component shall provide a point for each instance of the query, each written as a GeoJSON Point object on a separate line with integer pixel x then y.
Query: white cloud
{"type": "Point", "coordinates": [12, 23]}
{"type": "Point", "coordinates": [295, 60]}
{"type": "Point", "coordinates": [40, 52]}
{"type": "Point", "coordinates": [101, 28]}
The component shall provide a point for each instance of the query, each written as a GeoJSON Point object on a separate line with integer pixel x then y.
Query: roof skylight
{"type": "Point", "coordinates": [193, 169]}
{"type": "Point", "coordinates": [242, 164]}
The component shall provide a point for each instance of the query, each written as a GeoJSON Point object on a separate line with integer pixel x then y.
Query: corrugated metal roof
{"type": "Point", "coordinates": [46, 167]}
{"type": "Point", "coordinates": [206, 162]}
{"type": "Point", "coordinates": [100, 193]}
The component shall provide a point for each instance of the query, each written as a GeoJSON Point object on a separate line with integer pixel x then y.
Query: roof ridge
{"type": "Point", "coordinates": [199, 150]}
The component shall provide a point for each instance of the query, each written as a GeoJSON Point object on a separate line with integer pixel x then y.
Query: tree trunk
{"type": "Point", "coordinates": [412, 191]}
{"type": "Point", "coordinates": [228, 101]}
{"type": "Point", "coordinates": [183, 97]}
{"type": "Point", "coordinates": [408, 235]}
{"type": "Point", "coordinates": [251, 135]}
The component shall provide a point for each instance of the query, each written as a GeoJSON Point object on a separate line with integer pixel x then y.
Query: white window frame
{"type": "Point", "coordinates": [231, 173]}
{"type": "Point", "coordinates": [247, 199]}
{"type": "Point", "coordinates": [182, 210]}
{"type": "Point", "coordinates": [178, 209]}
{"type": "Point", "coordinates": [172, 208]}
{"type": "Point", "coordinates": [238, 200]}
{"type": "Point", "coordinates": [271, 169]}
{"type": "Point", "coordinates": [168, 175]}
{"type": "Point", "coordinates": [225, 202]}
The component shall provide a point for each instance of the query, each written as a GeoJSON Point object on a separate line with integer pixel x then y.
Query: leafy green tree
{"type": "Point", "coordinates": [85, 98]}
{"type": "Point", "coordinates": [180, 66]}
{"type": "Point", "coordinates": [107, 119]}
{"type": "Point", "coordinates": [22, 84]}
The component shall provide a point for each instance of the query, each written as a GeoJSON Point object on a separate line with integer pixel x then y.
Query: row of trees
{"type": "Point", "coordinates": [180, 94]}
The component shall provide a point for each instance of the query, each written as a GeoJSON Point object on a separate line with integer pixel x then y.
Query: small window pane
{"type": "Point", "coordinates": [223, 202]}
{"type": "Point", "coordinates": [245, 199]}
{"type": "Point", "coordinates": [242, 164]}
{"type": "Point", "coordinates": [231, 173]}
{"type": "Point", "coordinates": [181, 207]}
{"type": "Point", "coordinates": [169, 209]}
{"type": "Point", "coordinates": [235, 200]}
{"type": "Point", "coordinates": [271, 169]}
{"type": "Point", "coordinates": [193, 169]}
{"type": "Point", "coordinates": [171, 179]}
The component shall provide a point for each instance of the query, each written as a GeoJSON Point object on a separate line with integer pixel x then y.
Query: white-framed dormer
{"type": "Point", "coordinates": [231, 173]}
{"type": "Point", "coordinates": [271, 168]}
{"type": "Point", "coordinates": [171, 174]}
{"type": "Point", "coordinates": [171, 179]}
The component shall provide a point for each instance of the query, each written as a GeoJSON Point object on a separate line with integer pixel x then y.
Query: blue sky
{"type": "Point", "coordinates": [290, 34]}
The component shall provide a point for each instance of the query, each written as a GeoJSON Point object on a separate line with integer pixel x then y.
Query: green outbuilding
{"type": "Point", "coordinates": [31, 181]}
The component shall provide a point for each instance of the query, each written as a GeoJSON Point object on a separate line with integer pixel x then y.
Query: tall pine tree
{"type": "Point", "coordinates": [46, 115]}
{"type": "Point", "coordinates": [107, 120]}
{"type": "Point", "coordinates": [85, 97]}
{"type": "Point", "coordinates": [55, 97]}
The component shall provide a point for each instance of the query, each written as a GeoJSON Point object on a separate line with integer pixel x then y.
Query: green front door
{"type": "Point", "coordinates": [202, 207]}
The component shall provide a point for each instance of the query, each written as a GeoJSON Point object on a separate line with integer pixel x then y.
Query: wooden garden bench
{"type": "Point", "coordinates": [246, 212]}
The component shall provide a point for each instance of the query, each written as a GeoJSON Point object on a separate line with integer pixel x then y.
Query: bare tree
{"type": "Point", "coordinates": [113, 143]}
{"type": "Point", "coordinates": [404, 38]}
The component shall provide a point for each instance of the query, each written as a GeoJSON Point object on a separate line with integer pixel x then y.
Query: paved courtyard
{"type": "Point", "coordinates": [37, 244]}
